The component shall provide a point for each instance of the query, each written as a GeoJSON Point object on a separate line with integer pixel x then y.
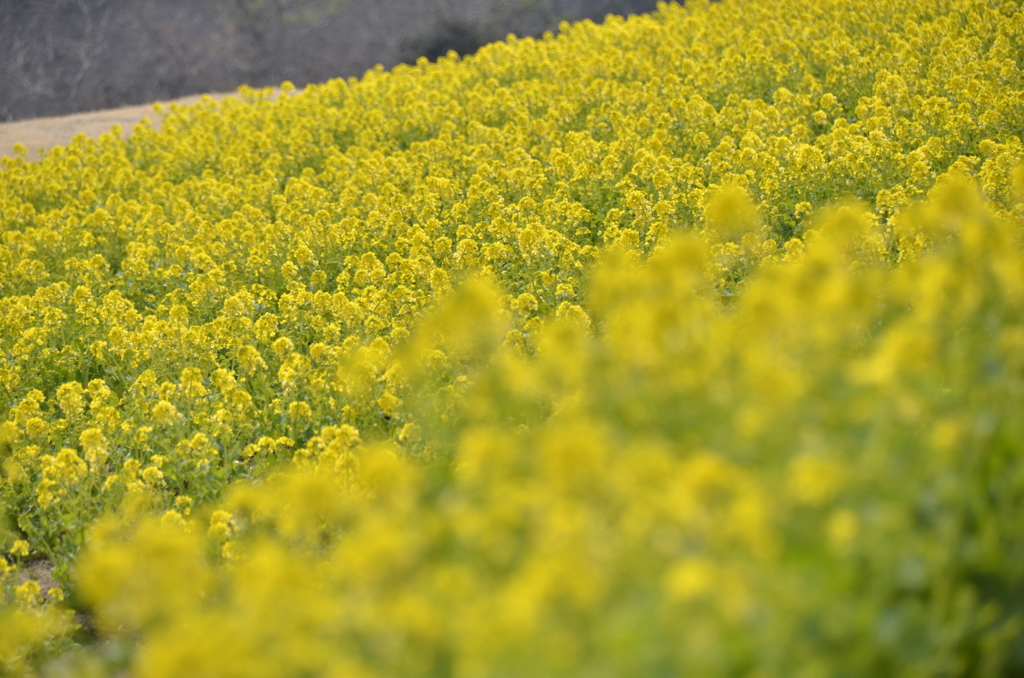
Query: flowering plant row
{"type": "Point", "coordinates": [684, 343]}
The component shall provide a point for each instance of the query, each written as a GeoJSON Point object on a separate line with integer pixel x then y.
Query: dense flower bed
{"type": "Point", "coordinates": [691, 343]}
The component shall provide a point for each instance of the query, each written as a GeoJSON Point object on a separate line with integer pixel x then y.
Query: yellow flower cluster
{"type": "Point", "coordinates": [664, 481]}
{"type": "Point", "coordinates": [684, 344]}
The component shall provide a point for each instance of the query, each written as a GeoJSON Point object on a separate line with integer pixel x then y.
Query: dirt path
{"type": "Point", "coordinates": [45, 133]}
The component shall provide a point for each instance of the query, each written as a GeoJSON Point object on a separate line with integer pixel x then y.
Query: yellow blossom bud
{"type": "Point", "coordinates": [165, 413]}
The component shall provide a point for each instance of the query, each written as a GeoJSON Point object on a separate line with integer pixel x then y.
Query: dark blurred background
{"type": "Point", "coordinates": [67, 56]}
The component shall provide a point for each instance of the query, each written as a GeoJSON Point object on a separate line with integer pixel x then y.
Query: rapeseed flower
{"type": "Point", "coordinates": [688, 343]}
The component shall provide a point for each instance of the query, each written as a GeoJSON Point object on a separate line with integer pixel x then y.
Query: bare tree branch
{"type": "Point", "coordinates": [60, 56]}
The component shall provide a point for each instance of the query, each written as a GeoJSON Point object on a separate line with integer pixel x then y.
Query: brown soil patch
{"type": "Point", "coordinates": [41, 572]}
{"type": "Point", "coordinates": [45, 133]}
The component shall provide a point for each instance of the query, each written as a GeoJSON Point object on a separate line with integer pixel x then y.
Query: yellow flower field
{"type": "Point", "coordinates": [689, 344]}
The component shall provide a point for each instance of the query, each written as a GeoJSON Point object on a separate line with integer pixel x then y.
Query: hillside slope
{"type": "Point", "coordinates": [687, 344]}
